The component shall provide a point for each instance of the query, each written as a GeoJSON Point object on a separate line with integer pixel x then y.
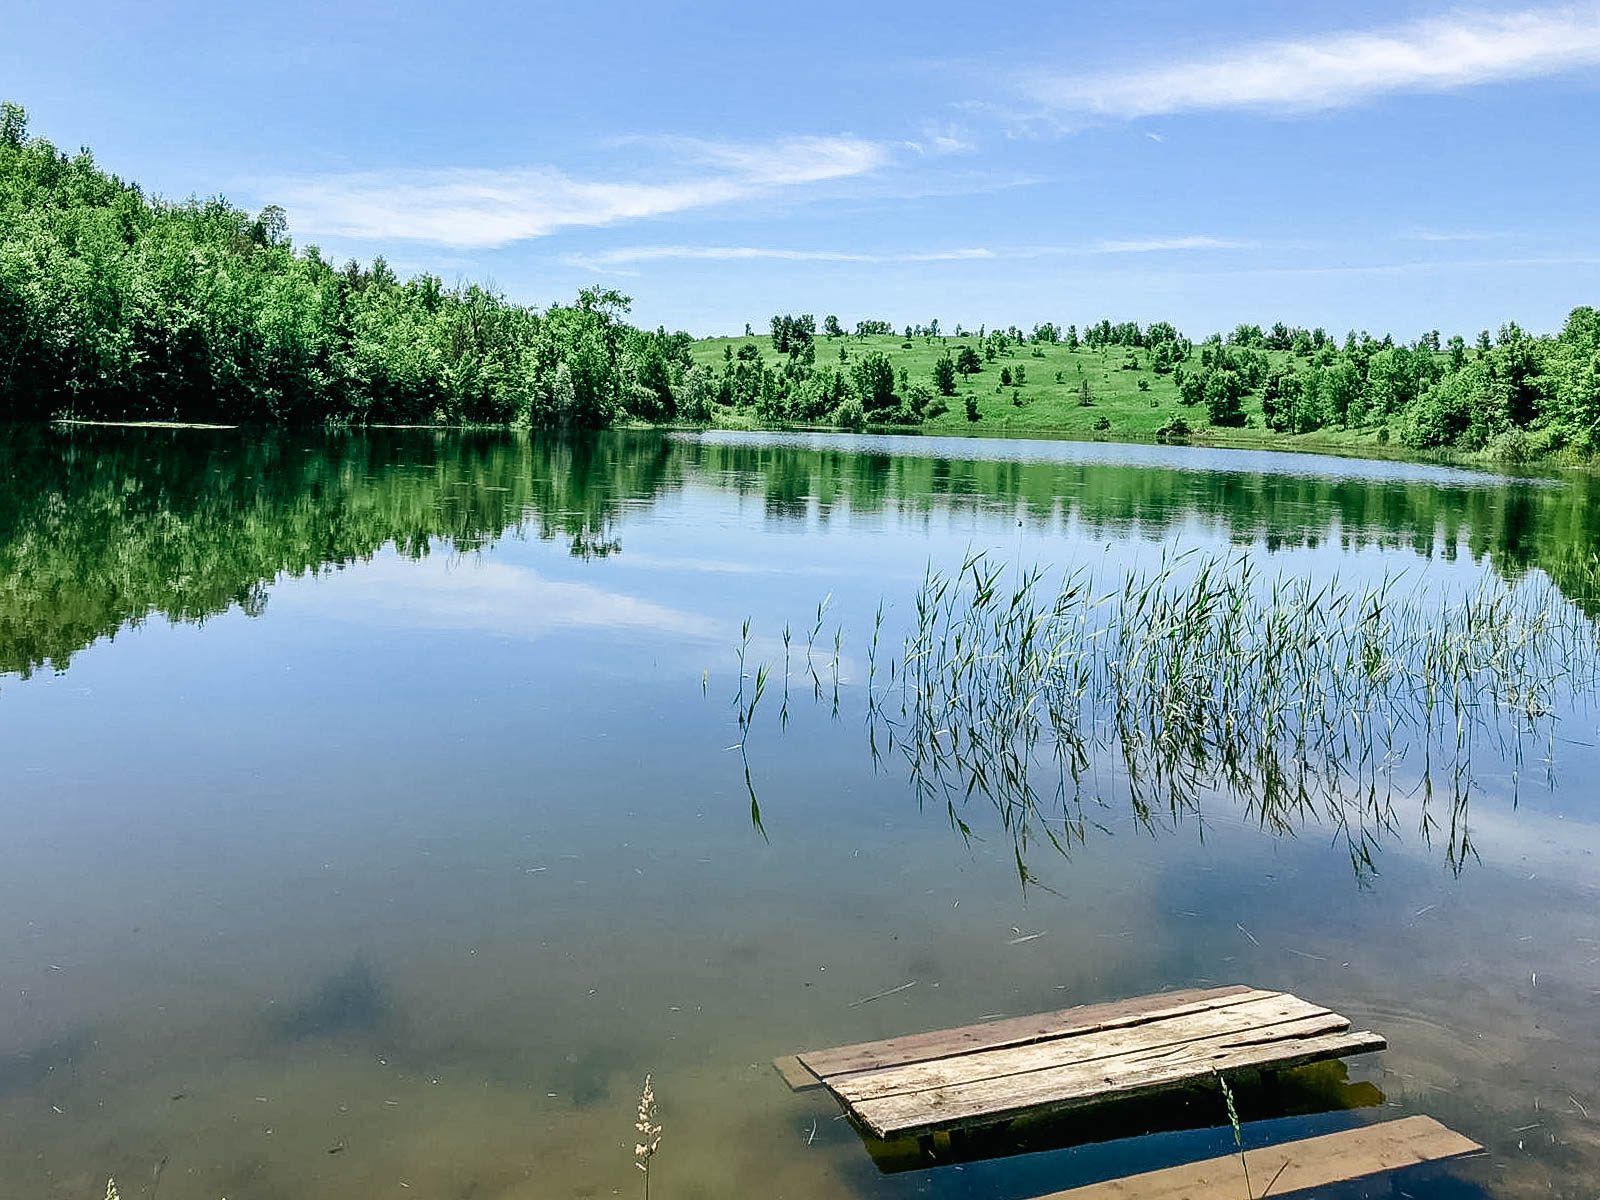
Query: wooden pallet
{"type": "Point", "coordinates": [980, 1074]}
{"type": "Point", "coordinates": [1291, 1166]}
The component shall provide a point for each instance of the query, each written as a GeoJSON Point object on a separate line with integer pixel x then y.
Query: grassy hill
{"type": "Point", "coordinates": [1127, 397]}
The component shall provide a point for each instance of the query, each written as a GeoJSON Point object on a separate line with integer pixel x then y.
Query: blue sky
{"type": "Point", "coordinates": [1395, 167]}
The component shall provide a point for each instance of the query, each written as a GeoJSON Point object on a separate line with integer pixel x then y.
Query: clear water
{"type": "Point", "coordinates": [373, 824]}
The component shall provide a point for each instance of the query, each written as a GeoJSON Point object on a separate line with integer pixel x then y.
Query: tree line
{"type": "Point", "coordinates": [1514, 394]}
{"type": "Point", "coordinates": [119, 305]}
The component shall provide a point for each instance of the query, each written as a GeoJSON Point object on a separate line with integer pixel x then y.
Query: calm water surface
{"type": "Point", "coordinates": [374, 824]}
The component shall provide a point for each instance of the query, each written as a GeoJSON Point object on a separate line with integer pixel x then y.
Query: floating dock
{"type": "Point", "coordinates": [978, 1075]}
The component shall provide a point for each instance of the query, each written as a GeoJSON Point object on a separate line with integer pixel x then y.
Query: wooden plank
{"type": "Point", "coordinates": [1291, 1166]}
{"type": "Point", "coordinates": [1119, 1077]}
{"type": "Point", "coordinates": [1257, 1017]}
{"type": "Point", "coordinates": [795, 1074]}
{"type": "Point", "coordinates": [1085, 1018]}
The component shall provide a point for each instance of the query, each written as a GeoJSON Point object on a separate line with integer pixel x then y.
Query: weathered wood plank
{"type": "Point", "coordinates": [1085, 1018]}
{"type": "Point", "coordinates": [795, 1073]}
{"type": "Point", "coordinates": [1256, 1017]}
{"type": "Point", "coordinates": [1118, 1077]}
{"type": "Point", "coordinates": [1291, 1166]}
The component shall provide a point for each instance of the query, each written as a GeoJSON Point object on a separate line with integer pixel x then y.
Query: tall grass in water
{"type": "Point", "coordinates": [1308, 701]}
{"type": "Point", "coordinates": [649, 1130]}
{"type": "Point", "coordinates": [1301, 698]}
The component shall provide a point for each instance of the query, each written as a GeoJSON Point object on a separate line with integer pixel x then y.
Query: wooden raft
{"type": "Point", "coordinates": [1291, 1166]}
{"type": "Point", "coordinates": [981, 1074]}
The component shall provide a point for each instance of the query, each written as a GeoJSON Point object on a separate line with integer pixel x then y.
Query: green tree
{"type": "Point", "coordinates": [1224, 396]}
{"type": "Point", "coordinates": [944, 375]}
{"type": "Point", "coordinates": [873, 376]}
{"type": "Point", "coordinates": [13, 125]}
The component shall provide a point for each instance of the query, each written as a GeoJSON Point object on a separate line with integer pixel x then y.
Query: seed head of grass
{"type": "Point", "coordinates": [649, 1130]}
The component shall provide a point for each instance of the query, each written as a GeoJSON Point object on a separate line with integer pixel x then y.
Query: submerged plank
{"type": "Point", "coordinates": [795, 1073]}
{"type": "Point", "coordinates": [1138, 1073]}
{"type": "Point", "coordinates": [1291, 1166]}
{"type": "Point", "coordinates": [1086, 1018]}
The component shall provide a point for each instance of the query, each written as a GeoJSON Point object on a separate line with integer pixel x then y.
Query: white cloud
{"type": "Point", "coordinates": [943, 139]}
{"type": "Point", "coordinates": [1159, 244]}
{"type": "Point", "coordinates": [485, 596]}
{"type": "Point", "coordinates": [1465, 235]}
{"type": "Point", "coordinates": [1340, 69]}
{"type": "Point", "coordinates": [626, 256]}
{"type": "Point", "coordinates": [632, 256]}
{"type": "Point", "coordinates": [482, 208]}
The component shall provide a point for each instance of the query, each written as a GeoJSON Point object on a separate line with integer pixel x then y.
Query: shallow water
{"type": "Point", "coordinates": [374, 824]}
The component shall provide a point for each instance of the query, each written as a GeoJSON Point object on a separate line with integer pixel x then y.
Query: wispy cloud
{"type": "Point", "coordinates": [944, 138]}
{"type": "Point", "coordinates": [1415, 267]}
{"type": "Point", "coordinates": [1462, 235]}
{"type": "Point", "coordinates": [483, 208]}
{"type": "Point", "coordinates": [1340, 69]}
{"type": "Point", "coordinates": [623, 257]}
{"type": "Point", "coordinates": [627, 256]}
{"type": "Point", "coordinates": [1156, 245]}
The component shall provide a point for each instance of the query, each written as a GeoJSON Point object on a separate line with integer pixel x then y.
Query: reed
{"type": "Point", "coordinates": [1238, 1134]}
{"type": "Point", "coordinates": [1307, 701]}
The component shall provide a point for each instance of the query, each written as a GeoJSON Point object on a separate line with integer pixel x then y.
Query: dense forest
{"type": "Point", "coordinates": [116, 305]}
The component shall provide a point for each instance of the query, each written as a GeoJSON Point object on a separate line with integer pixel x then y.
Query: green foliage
{"type": "Point", "coordinates": [873, 376]}
{"type": "Point", "coordinates": [791, 335]}
{"type": "Point", "coordinates": [1175, 430]}
{"type": "Point", "coordinates": [1225, 398]}
{"type": "Point", "coordinates": [114, 305]}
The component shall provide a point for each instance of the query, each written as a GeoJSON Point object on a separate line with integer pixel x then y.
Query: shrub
{"type": "Point", "coordinates": [850, 414]}
{"type": "Point", "coordinates": [1175, 430]}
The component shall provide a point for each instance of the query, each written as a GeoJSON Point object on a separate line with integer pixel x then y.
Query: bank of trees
{"type": "Point", "coordinates": [1512, 394]}
{"type": "Point", "coordinates": [117, 305]}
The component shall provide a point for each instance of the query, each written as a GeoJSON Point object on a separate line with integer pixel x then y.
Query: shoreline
{"type": "Point", "coordinates": [1315, 443]}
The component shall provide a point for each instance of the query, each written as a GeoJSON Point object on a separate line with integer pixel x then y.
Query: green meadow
{"type": "Point", "coordinates": [1127, 397]}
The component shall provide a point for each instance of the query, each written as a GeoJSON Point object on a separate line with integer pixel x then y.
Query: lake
{"type": "Point", "coordinates": [377, 817]}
